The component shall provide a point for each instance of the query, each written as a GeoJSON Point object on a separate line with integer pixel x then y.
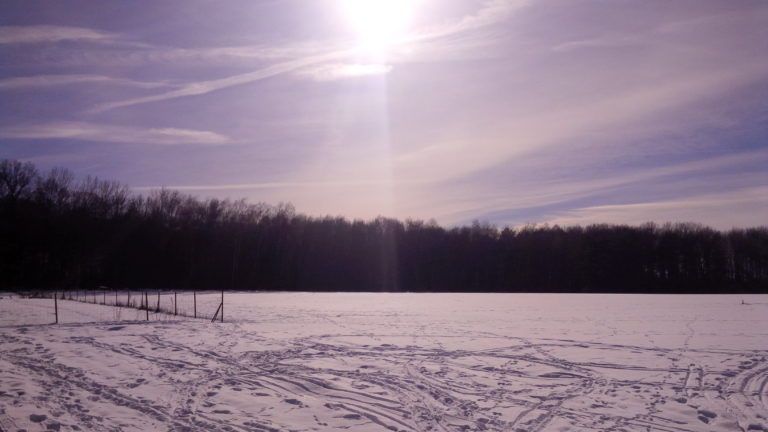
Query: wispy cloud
{"type": "Point", "coordinates": [204, 87]}
{"type": "Point", "coordinates": [461, 204]}
{"type": "Point", "coordinates": [490, 12]}
{"type": "Point", "coordinates": [113, 133]}
{"type": "Point", "coordinates": [57, 80]}
{"type": "Point", "coordinates": [48, 33]}
{"type": "Point", "coordinates": [265, 185]}
{"type": "Point", "coordinates": [330, 72]}
{"type": "Point", "coordinates": [551, 128]}
{"type": "Point", "coordinates": [323, 63]}
{"type": "Point", "coordinates": [665, 32]}
{"type": "Point", "coordinates": [612, 41]}
{"type": "Point", "coordinates": [736, 208]}
{"type": "Point", "coordinates": [118, 51]}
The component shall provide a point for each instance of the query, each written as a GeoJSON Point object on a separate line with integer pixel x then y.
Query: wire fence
{"type": "Point", "coordinates": [106, 304]}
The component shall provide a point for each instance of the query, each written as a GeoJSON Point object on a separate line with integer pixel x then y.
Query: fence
{"type": "Point", "coordinates": [148, 303]}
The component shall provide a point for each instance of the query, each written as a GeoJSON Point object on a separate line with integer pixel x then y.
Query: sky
{"type": "Point", "coordinates": [509, 112]}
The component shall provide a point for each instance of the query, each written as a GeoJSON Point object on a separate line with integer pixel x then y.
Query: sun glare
{"type": "Point", "coordinates": [379, 24]}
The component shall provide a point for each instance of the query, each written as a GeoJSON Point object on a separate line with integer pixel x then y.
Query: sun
{"type": "Point", "coordinates": [378, 24]}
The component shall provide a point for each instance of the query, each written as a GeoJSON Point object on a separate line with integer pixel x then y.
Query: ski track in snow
{"type": "Point", "coordinates": [294, 362]}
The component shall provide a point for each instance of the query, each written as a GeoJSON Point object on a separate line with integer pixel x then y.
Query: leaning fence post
{"type": "Point", "coordinates": [146, 299]}
{"type": "Point", "coordinates": [216, 315]}
{"type": "Point", "coordinates": [56, 306]}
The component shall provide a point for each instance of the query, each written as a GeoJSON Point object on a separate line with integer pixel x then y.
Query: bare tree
{"type": "Point", "coordinates": [16, 178]}
{"type": "Point", "coordinates": [54, 188]}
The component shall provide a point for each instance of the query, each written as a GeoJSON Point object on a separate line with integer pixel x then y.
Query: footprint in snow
{"type": "Point", "coordinates": [37, 418]}
{"type": "Point", "coordinates": [706, 416]}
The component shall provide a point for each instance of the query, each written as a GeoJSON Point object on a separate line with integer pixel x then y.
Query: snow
{"type": "Point", "coordinates": [385, 361]}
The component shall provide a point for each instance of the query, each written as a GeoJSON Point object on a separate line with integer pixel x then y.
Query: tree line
{"type": "Point", "coordinates": [59, 233]}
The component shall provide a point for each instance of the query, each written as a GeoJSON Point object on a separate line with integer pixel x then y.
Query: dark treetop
{"type": "Point", "coordinates": [56, 233]}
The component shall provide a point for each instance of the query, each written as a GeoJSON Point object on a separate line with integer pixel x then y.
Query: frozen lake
{"type": "Point", "coordinates": [405, 362]}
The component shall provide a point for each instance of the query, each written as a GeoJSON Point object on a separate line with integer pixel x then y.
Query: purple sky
{"type": "Point", "coordinates": [561, 111]}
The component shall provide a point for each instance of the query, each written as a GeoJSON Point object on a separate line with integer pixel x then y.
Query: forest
{"type": "Point", "coordinates": [57, 232]}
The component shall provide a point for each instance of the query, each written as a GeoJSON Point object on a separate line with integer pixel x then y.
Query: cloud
{"type": "Point", "coordinates": [490, 13]}
{"type": "Point", "coordinates": [117, 51]}
{"type": "Point", "coordinates": [265, 185]}
{"type": "Point", "coordinates": [311, 55]}
{"type": "Point", "coordinates": [48, 33]}
{"type": "Point", "coordinates": [736, 21]}
{"type": "Point", "coordinates": [56, 80]}
{"type": "Point", "coordinates": [204, 87]}
{"type": "Point", "coordinates": [531, 193]}
{"type": "Point", "coordinates": [601, 42]}
{"type": "Point", "coordinates": [330, 72]}
{"type": "Point", "coordinates": [746, 207]}
{"type": "Point", "coordinates": [504, 139]}
{"type": "Point", "coordinates": [273, 52]}
{"type": "Point", "coordinates": [112, 133]}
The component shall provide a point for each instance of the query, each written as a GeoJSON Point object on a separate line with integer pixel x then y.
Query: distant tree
{"type": "Point", "coordinates": [58, 232]}
{"type": "Point", "coordinates": [53, 190]}
{"type": "Point", "coordinates": [16, 179]}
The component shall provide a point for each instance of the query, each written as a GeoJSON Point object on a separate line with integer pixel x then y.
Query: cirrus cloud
{"type": "Point", "coordinates": [49, 33]}
{"type": "Point", "coordinates": [112, 133]}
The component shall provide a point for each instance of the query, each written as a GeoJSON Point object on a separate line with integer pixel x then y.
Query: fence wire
{"type": "Point", "coordinates": [72, 306]}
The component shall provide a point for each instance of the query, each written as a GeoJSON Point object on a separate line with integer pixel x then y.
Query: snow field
{"type": "Point", "coordinates": [403, 362]}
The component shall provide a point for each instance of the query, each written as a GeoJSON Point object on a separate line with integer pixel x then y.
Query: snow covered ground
{"type": "Point", "coordinates": [399, 362]}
